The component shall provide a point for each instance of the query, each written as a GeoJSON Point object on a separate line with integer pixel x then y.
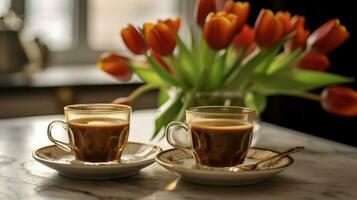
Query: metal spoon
{"type": "Point", "coordinates": [255, 165]}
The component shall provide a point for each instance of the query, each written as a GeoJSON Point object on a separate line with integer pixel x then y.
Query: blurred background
{"type": "Point", "coordinates": [48, 52]}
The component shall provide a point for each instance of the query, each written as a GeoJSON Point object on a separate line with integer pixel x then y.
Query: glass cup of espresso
{"type": "Point", "coordinates": [219, 136]}
{"type": "Point", "coordinates": [97, 132]}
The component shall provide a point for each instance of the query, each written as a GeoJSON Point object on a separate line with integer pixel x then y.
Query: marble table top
{"type": "Point", "coordinates": [325, 170]}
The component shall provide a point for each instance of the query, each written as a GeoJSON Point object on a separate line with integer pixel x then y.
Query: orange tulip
{"type": "Point", "coordinates": [340, 100]}
{"type": "Point", "coordinates": [133, 40]}
{"type": "Point", "coordinates": [173, 24]}
{"type": "Point", "coordinates": [285, 18]}
{"type": "Point", "coordinates": [219, 29]}
{"type": "Point", "coordinates": [299, 41]}
{"type": "Point", "coordinates": [297, 21]}
{"type": "Point", "coordinates": [241, 9]}
{"type": "Point", "coordinates": [160, 38]}
{"type": "Point", "coordinates": [315, 61]}
{"type": "Point", "coordinates": [159, 59]}
{"type": "Point", "coordinates": [269, 29]}
{"type": "Point", "coordinates": [115, 65]}
{"type": "Point", "coordinates": [244, 39]}
{"type": "Point", "coordinates": [204, 7]}
{"type": "Point", "coordinates": [328, 37]}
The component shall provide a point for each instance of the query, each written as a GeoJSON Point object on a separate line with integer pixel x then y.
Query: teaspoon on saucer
{"type": "Point", "coordinates": [255, 165]}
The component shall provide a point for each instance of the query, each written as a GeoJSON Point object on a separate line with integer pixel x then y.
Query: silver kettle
{"type": "Point", "coordinates": [19, 54]}
{"type": "Point", "coordinates": [13, 57]}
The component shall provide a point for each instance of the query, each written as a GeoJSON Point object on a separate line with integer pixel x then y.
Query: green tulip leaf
{"type": "Point", "coordinates": [163, 73]}
{"type": "Point", "coordinates": [163, 96]}
{"type": "Point", "coordinates": [149, 76]}
{"type": "Point", "coordinates": [244, 72]}
{"type": "Point", "coordinates": [256, 100]}
{"type": "Point", "coordinates": [168, 112]}
{"type": "Point", "coordinates": [287, 60]}
{"type": "Point", "coordinates": [295, 81]}
{"type": "Point", "coordinates": [264, 64]}
{"type": "Point", "coordinates": [217, 71]}
{"type": "Point", "coordinates": [187, 60]}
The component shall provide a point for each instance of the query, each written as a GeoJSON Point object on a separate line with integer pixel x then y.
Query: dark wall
{"type": "Point", "coordinates": [305, 115]}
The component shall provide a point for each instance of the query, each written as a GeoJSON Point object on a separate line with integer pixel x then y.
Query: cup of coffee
{"type": "Point", "coordinates": [219, 136]}
{"type": "Point", "coordinates": [97, 132]}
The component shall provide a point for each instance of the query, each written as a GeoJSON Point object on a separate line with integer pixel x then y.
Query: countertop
{"type": "Point", "coordinates": [62, 76]}
{"type": "Point", "coordinates": [325, 170]}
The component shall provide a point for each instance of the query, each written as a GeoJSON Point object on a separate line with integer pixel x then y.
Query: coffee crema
{"type": "Point", "coordinates": [220, 142]}
{"type": "Point", "coordinates": [98, 139]}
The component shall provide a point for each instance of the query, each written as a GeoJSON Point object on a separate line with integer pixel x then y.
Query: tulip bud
{"type": "Point", "coordinates": [328, 37]}
{"type": "Point", "coordinates": [219, 30]}
{"type": "Point", "coordinates": [244, 39]}
{"type": "Point", "coordinates": [133, 40]}
{"type": "Point", "coordinates": [285, 18]}
{"type": "Point", "coordinates": [297, 21]}
{"type": "Point", "coordinates": [160, 38]}
{"type": "Point", "coordinates": [269, 29]}
{"type": "Point", "coordinates": [315, 61]}
{"type": "Point", "coordinates": [299, 41]}
{"type": "Point", "coordinates": [122, 101]}
{"type": "Point", "coordinates": [241, 9]}
{"type": "Point", "coordinates": [173, 24]}
{"type": "Point", "coordinates": [115, 65]}
{"type": "Point", "coordinates": [340, 100]}
{"type": "Point", "coordinates": [204, 7]}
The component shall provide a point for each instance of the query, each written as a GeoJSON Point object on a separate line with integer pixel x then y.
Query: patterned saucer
{"type": "Point", "coordinates": [135, 157]}
{"type": "Point", "coordinates": [184, 165]}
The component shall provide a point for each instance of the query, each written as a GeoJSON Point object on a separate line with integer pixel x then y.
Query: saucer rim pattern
{"type": "Point", "coordinates": [180, 167]}
{"type": "Point", "coordinates": [37, 157]}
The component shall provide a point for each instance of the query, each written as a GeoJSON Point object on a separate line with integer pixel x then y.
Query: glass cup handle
{"type": "Point", "coordinates": [170, 130]}
{"type": "Point", "coordinates": [60, 144]}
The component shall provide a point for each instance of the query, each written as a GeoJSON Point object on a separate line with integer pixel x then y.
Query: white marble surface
{"type": "Point", "coordinates": [325, 170]}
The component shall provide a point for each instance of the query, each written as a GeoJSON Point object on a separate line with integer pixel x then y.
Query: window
{"type": "Point", "coordinates": [106, 17]}
{"type": "Point", "coordinates": [76, 31]}
{"type": "Point", "coordinates": [52, 21]}
{"type": "Point", "coordinates": [4, 6]}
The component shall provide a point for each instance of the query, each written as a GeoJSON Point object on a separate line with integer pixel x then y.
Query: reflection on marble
{"type": "Point", "coordinates": [325, 170]}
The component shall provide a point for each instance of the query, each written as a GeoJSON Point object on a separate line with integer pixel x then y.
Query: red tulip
{"type": "Point", "coordinates": [315, 61]}
{"type": "Point", "coordinates": [122, 101]}
{"type": "Point", "coordinates": [133, 40]}
{"type": "Point", "coordinates": [219, 30]}
{"type": "Point", "coordinates": [285, 18]}
{"type": "Point", "coordinates": [297, 21]}
{"type": "Point", "coordinates": [244, 39]}
{"type": "Point", "coordinates": [269, 29]}
{"type": "Point", "coordinates": [241, 9]}
{"type": "Point", "coordinates": [340, 100]}
{"type": "Point", "coordinates": [160, 38]}
{"type": "Point", "coordinates": [159, 59]}
{"type": "Point", "coordinates": [115, 65]}
{"type": "Point", "coordinates": [328, 37]}
{"type": "Point", "coordinates": [299, 41]}
{"type": "Point", "coordinates": [204, 7]}
{"type": "Point", "coordinates": [173, 24]}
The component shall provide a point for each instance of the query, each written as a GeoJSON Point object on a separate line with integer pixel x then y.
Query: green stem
{"type": "Point", "coordinates": [306, 95]}
{"type": "Point", "coordinates": [188, 102]}
{"type": "Point", "coordinates": [141, 90]}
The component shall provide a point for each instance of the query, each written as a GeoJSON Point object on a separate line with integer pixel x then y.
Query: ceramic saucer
{"type": "Point", "coordinates": [184, 165]}
{"type": "Point", "coordinates": [135, 157]}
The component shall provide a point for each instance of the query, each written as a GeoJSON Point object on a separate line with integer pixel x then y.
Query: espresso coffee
{"type": "Point", "coordinates": [98, 139]}
{"type": "Point", "coordinates": [220, 142]}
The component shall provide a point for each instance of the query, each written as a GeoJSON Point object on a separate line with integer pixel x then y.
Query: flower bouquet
{"type": "Point", "coordinates": [275, 56]}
